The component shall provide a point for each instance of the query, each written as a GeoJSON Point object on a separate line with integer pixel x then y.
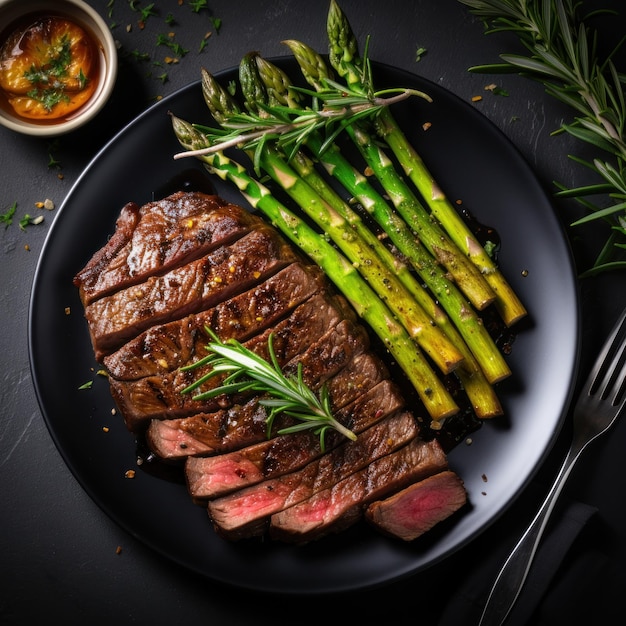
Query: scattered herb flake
{"type": "Point", "coordinates": [6, 218]}
{"type": "Point", "coordinates": [419, 53]}
{"type": "Point", "coordinates": [87, 385]}
{"type": "Point", "coordinates": [28, 219]}
{"type": "Point", "coordinates": [497, 91]}
{"type": "Point", "coordinates": [198, 5]}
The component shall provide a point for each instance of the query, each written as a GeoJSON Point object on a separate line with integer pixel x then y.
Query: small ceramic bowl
{"type": "Point", "coordinates": [53, 92]}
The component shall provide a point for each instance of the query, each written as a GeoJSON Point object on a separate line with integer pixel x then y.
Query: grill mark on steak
{"type": "Point", "coordinates": [161, 397]}
{"type": "Point", "coordinates": [224, 272]}
{"type": "Point", "coordinates": [165, 347]}
{"type": "Point", "coordinates": [204, 433]}
{"type": "Point", "coordinates": [246, 512]}
{"type": "Point", "coordinates": [416, 509]}
{"type": "Point", "coordinates": [341, 505]}
{"type": "Point", "coordinates": [215, 476]}
{"type": "Point", "coordinates": [152, 239]}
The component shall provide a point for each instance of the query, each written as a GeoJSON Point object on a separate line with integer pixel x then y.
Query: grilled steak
{"type": "Point", "coordinates": [340, 505]}
{"type": "Point", "coordinates": [120, 316]}
{"type": "Point", "coordinates": [246, 512]}
{"type": "Point", "coordinates": [417, 508]}
{"type": "Point", "coordinates": [151, 239]}
{"type": "Point", "coordinates": [214, 476]}
{"type": "Point", "coordinates": [190, 261]}
{"type": "Point", "coordinates": [166, 347]}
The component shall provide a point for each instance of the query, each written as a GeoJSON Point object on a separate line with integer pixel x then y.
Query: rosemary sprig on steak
{"type": "Point", "coordinates": [287, 394]}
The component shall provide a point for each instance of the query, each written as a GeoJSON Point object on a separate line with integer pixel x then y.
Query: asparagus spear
{"type": "Point", "coordinates": [360, 249]}
{"type": "Point", "coordinates": [435, 397]}
{"type": "Point", "coordinates": [344, 57]}
{"type": "Point", "coordinates": [474, 339]}
{"type": "Point", "coordinates": [464, 272]}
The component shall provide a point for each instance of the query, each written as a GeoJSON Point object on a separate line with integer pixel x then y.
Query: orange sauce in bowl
{"type": "Point", "coordinates": [49, 68]}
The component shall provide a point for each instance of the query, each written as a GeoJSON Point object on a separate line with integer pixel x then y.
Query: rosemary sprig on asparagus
{"type": "Point", "coordinates": [359, 245]}
{"type": "Point", "coordinates": [283, 394]}
{"type": "Point", "coordinates": [563, 56]}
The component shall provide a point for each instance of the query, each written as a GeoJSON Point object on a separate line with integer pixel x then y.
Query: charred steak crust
{"type": "Point", "coordinates": [192, 260]}
{"type": "Point", "coordinates": [116, 318]}
{"type": "Point", "coordinates": [151, 239]}
{"type": "Point", "coordinates": [171, 345]}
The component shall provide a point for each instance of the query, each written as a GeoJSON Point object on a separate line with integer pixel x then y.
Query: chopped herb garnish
{"type": "Point", "coordinates": [198, 5]}
{"type": "Point", "coordinates": [6, 218]}
{"type": "Point", "coordinates": [147, 12]}
{"type": "Point", "coordinates": [419, 53]}
{"type": "Point", "coordinates": [217, 23]}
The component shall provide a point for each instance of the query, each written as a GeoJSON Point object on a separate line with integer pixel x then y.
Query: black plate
{"type": "Point", "coordinates": [472, 160]}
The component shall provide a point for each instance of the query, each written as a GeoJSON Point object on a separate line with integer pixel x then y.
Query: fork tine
{"type": "Point", "coordinates": [611, 369]}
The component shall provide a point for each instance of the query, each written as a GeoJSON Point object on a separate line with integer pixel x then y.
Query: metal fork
{"type": "Point", "coordinates": [601, 401]}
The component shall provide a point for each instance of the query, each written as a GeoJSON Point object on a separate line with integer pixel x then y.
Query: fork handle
{"type": "Point", "coordinates": [512, 576]}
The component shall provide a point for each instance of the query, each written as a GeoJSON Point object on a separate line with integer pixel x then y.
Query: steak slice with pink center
{"type": "Point", "coordinates": [416, 509]}
{"type": "Point", "coordinates": [246, 512]}
{"type": "Point", "coordinates": [341, 504]}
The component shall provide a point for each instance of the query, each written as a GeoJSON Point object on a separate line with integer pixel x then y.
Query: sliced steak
{"type": "Point", "coordinates": [115, 319]}
{"type": "Point", "coordinates": [165, 347]}
{"type": "Point", "coordinates": [416, 509]}
{"type": "Point", "coordinates": [342, 503]}
{"type": "Point", "coordinates": [161, 397]}
{"type": "Point", "coordinates": [191, 261]}
{"type": "Point", "coordinates": [215, 476]}
{"type": "Point", "coordinates": [152, 239]}
{"type": "Point", "coordinates": [208, 433]}
{"type": "Point", "coordinates": [246, 512]}
{"type": "Point", "coordinates": [221, 431]}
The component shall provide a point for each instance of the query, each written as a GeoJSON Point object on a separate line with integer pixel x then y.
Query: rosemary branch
{"type": "Point", "coordinates": [289, 126]}
{"type": "Point", "coordinates": [563, 56]}
{"type": "Point", "coordinates": [288, 394]}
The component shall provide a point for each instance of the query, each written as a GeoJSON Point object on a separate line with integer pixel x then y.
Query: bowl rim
{"type": "Point", "coordinates": [95, 22]}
